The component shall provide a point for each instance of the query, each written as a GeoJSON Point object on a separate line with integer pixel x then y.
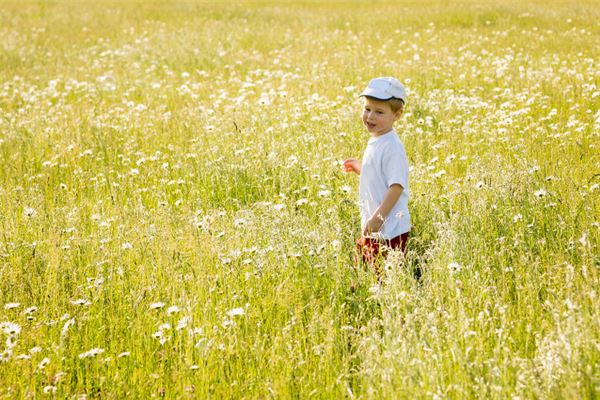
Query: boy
{"type": "Point", "coordinates": [383, 189]}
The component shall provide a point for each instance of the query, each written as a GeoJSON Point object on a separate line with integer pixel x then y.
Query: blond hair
{"type": "Point", "coordinates": [396, 104]}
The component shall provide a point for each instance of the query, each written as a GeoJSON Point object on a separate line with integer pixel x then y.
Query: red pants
{"type": "Point", "coordinates": [370, 250]}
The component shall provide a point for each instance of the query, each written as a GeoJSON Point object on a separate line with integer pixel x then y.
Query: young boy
{"type": "Point", "coordinates": [383, 189]}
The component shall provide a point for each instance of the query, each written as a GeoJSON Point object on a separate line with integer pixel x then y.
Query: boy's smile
{"type": "Point", "coordinates": [378, 116]}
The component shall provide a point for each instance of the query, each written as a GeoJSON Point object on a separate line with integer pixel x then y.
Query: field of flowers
{"type": "Point", "coordinates": [175, 222]}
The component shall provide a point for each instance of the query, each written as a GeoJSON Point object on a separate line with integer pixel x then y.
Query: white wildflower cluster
{"type": "Point", "coordinates": [81, 302]}
{"type": "Point", "coordinates": [65, 329]}
{"type": "Point", "coordinates": [163, 333]}
{"type": "Point", "coordinates": [165, 330]}
{"type": "Point", "coordinates": [232, 314]}
{"type": "Point", "coordinates": [11, 332]}
{"type": "Point", "coordinates": [91, 353]}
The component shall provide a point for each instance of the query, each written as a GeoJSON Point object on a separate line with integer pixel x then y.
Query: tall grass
{"type": "Point", "coordinates": [174, 220]}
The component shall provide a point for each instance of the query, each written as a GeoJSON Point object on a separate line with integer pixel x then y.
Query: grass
{"type": "Point", "coordinates": [174, 221]}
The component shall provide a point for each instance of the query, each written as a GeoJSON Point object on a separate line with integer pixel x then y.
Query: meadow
{"type": "Point", "coordinates": [175, 222]}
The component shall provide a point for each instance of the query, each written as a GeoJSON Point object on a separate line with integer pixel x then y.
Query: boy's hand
{"type": "Point", "coordinates": [372, 226]}
{"type": "Point", "coordinates": [352, 165]}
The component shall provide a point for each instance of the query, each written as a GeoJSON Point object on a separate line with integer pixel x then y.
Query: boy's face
{"type": "Point", "coordinates": [378, 117]}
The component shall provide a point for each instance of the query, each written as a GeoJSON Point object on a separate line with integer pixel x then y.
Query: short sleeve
{"type": "Point", "coordinates": [395, 166]}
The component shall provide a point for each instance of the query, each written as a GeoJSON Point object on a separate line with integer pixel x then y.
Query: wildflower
{"type": "Point", "coordinates": [160, 335]}
{"type": "Point", "coordinates": [58, 376]}
{"type": "Point", "coordinates": [583, 240]}
{"type": "Point", "coordinates": [7, 353]}
{"type": "Point", "coordinates": [439, 173]}
{"type": "Point", "coordinates": [29, 212]}
{"type": "Point", "coordinates": [278, 207]}
{"type": "Point", "coordinates": [203, 343]}
{"type": "Point", "coordinates": [235, 311]}
{"type": "Point", "coordinates": [124, 354]}
{"type": "Point", "coordinates": [49, 389]}
{"type": "Point", "coordinates": [374, 289]}
{"type": "Point", "coordinates": [540, 193]}
{"type": "Point", "coordinates": [81, 302]}
{"type": "Point", "coordinates": [517, 218]}
{"type": "Point", "coordinates": [10, 328]}
{"type": "Point", "coordinates": [127, 246]}
{"type": "Point", "coordinates": [43, 363]}
{"type": "Point", "coordinates": [157, 305]}
{"type": "Point", "coordinates": [182, 323]}
{"type": "Point", "coordinates": [91, 353]}
{"type": "Point", "coordinates": [197, 331]}
{"type": "Point", "coordinates": [10, 306]}
{"type": "Point", "coordinates": [301, 202]}
{"type": "Point", "coordinates": [173, 310]}
{"type": "Point", "coordinates": [346, 189]}
{"type": "Point", "coordinates": [324, 193]}
{"type": "Point", "coordinates": [454, 267]}
{"type": "Point", "coordinates": [66, 326]}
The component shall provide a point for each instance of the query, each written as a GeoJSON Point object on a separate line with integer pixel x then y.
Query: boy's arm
{"type": "Point", "coordinates": [389, 199]}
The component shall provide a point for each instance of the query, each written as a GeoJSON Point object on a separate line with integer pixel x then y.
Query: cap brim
{"type": "Point", "coordinates": [368, 92]}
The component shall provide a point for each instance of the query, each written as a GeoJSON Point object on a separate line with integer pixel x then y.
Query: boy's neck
{"type": "Point", "coordinates": [374, 135]}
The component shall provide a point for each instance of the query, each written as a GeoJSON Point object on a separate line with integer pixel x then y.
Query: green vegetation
{"type": "Point", "coordinates": [175, 222]}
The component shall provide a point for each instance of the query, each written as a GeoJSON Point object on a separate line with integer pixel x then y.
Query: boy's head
{"type": "Point", "coordinates": [386, 88]}
{"type": "Point", "coordinates": [383, 105]}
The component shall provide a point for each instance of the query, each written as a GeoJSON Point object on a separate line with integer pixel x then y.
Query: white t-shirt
{"type": "Point", "coordinates": [384, 163]}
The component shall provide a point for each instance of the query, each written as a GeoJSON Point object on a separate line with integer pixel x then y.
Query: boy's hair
{"type": "Point", "coordinates": [396, 104]}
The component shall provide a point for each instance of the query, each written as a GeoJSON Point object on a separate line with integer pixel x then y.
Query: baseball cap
{"type": "Point", "coordinates": [384, 89]}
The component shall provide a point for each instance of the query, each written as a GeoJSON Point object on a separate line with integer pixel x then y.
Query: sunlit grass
{"type": "Point", "coordinates": [174, 219]}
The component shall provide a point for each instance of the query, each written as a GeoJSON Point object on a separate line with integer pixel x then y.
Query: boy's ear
{"type": "Point", "coordinates": [398, 114]}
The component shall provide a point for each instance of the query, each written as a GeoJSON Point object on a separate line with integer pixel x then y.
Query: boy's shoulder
{"type": "Point", "coordinates": [393, 139]}
{"type": "Point", "coordinates": [394, 145]}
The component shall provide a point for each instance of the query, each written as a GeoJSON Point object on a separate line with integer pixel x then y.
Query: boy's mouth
{"type": "Point", "coordinates": [370, 125]}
